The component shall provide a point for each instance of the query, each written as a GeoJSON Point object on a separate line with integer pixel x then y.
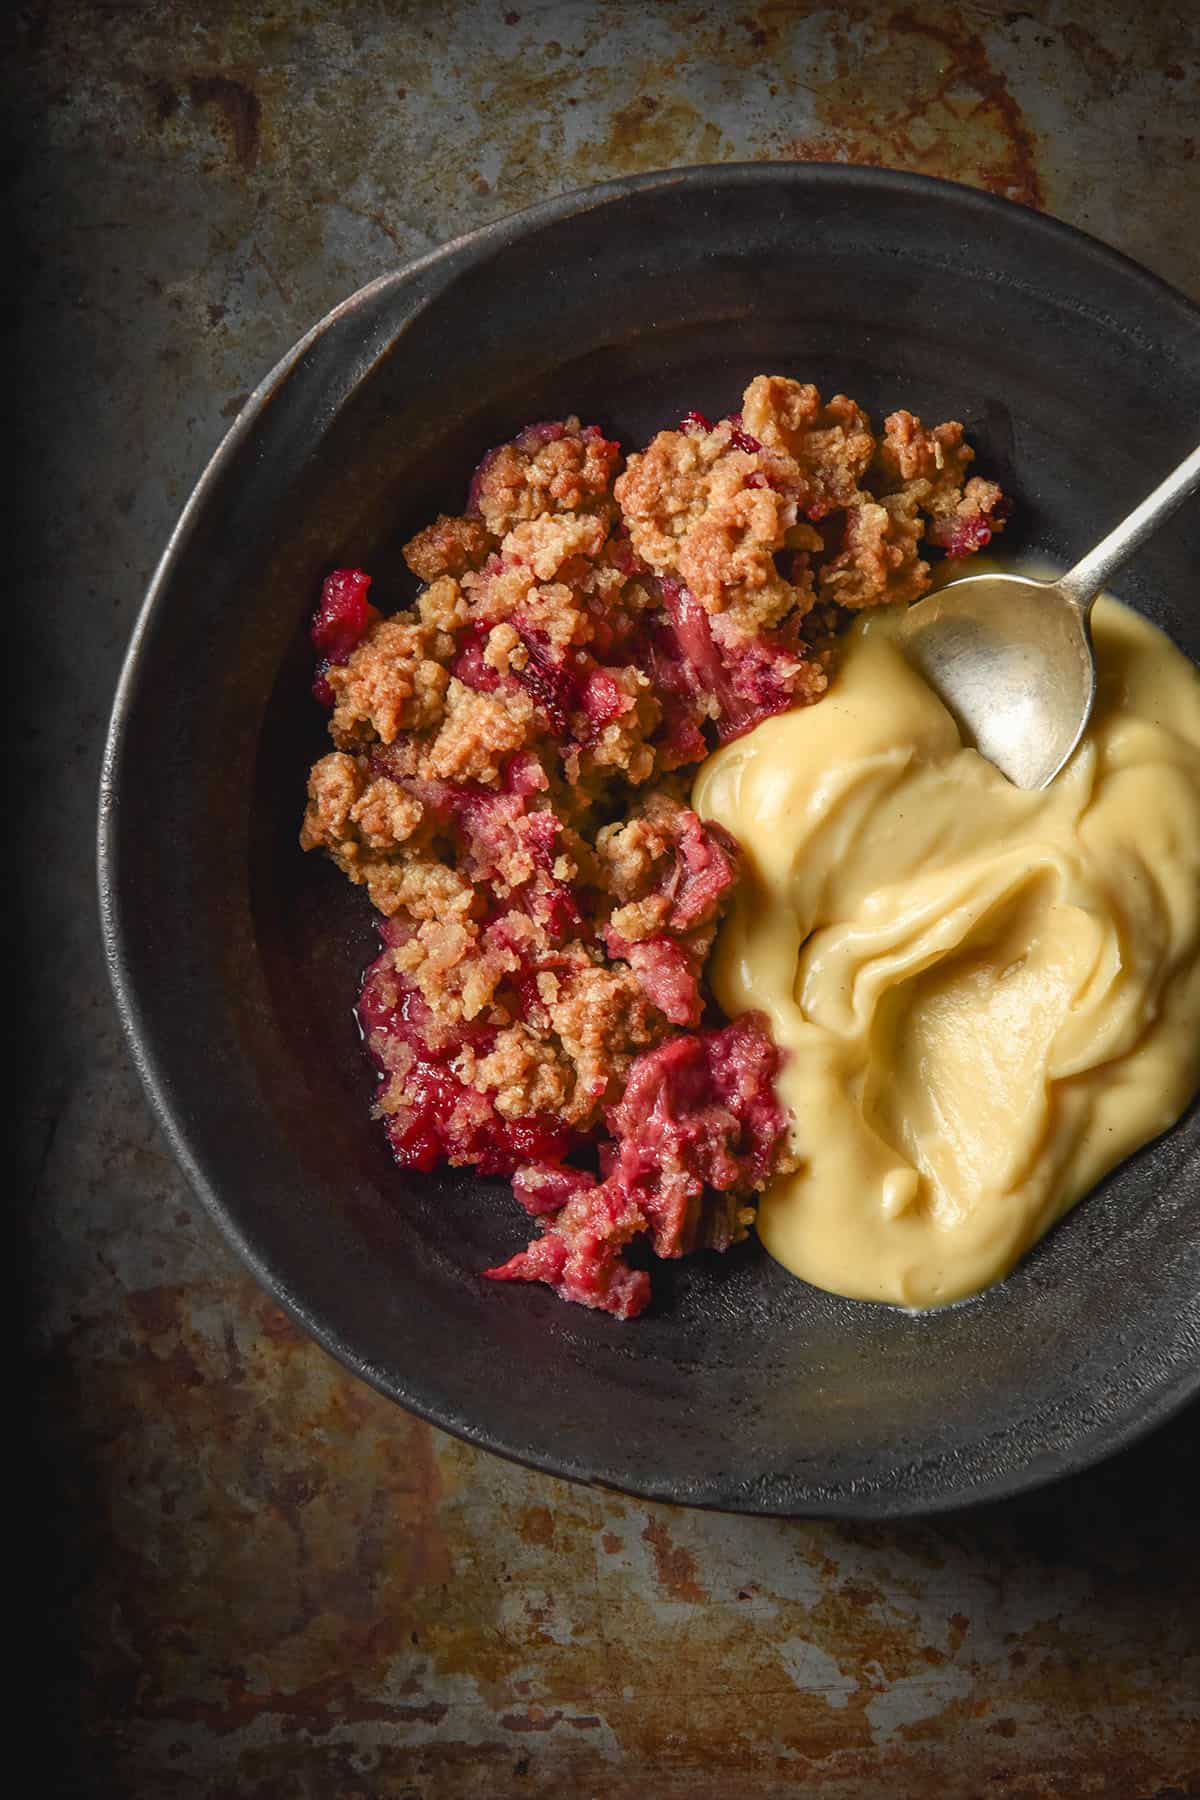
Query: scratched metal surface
{"type": "Point", "coordinates": [268, 1581]}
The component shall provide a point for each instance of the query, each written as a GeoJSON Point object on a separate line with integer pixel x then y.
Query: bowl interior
{"type": "Point", "coordinates": [237, 958]}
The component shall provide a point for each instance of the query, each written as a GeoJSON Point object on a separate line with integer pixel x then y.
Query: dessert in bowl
{"type": "Point", "coordinates": [952, 1006]}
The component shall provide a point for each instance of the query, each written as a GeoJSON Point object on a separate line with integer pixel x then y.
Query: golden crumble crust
{"type": "Point", "coordinates": [509, 782]}
{"type": "Point", "coordinates": [450, 546]}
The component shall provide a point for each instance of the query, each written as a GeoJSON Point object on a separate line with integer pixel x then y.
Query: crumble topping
{"type": "Point", "coordinates": [506, 784]}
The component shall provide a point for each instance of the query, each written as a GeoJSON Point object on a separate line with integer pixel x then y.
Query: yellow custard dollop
{"type": "Point", "coordinates": [986, 997]}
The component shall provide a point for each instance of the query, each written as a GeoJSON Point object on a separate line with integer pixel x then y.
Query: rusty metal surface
{"type": "Point", "coordinates": [267, 1581]}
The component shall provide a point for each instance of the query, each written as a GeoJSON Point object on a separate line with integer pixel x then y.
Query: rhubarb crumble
{"type": "Point", "coordinates": [513, 756]}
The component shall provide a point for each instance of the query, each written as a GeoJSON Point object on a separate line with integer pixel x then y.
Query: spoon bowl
{"type": "Point", "coordinates": [1011, 659]}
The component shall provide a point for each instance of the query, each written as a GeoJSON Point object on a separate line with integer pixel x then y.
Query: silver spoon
{"type": "Point", "coordinates": [1012, 658]}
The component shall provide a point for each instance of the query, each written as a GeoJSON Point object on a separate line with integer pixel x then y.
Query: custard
{"type": "Point", "coordinates": [985, 998]}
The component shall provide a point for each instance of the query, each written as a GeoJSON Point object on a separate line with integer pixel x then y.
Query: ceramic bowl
{"type": "Point", "coordinates": [236, 958]}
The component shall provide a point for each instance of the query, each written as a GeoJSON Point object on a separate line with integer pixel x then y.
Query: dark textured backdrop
{"type": "Point", "coordinates": [264, 1580]}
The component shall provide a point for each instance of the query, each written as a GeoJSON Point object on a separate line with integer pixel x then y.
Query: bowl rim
{"type": "Point", "coordinates": [469, 248]}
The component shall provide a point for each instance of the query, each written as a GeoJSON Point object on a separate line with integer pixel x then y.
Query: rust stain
{"type": "Point", "coordinates": [656, 129]}
{"type": "Point", "coordinates": [537, 1525]}
{"type": "Point", "coordinates": [329, 1488]}
{"type": "Point", "coordinates": [275, 1324]}
{"type": "Point", "coordinates": [860, 1595]}
{"type": "Point", "coordinates": [535, 1719]}
{"type": "Point", "coordinates": [282, 1565]}
{"type": "Point", "coordinates": [317, 1707]}
{"type": "Point", "coordinates": [237, 104]}
{"type": "Point", "coordinates": [155, 1311]}
{"type": "Point", "coordinates": [754, 30]}
{"type": "Point", "coordinates": [1101, 65]}
{"type": "Point", "coordinates": [925, 98]}
{"type": "Point", "coordinates": [675, 1567]}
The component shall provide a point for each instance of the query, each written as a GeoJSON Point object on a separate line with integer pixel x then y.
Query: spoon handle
{"type": "Point", "coordinates": [1082, 583]}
